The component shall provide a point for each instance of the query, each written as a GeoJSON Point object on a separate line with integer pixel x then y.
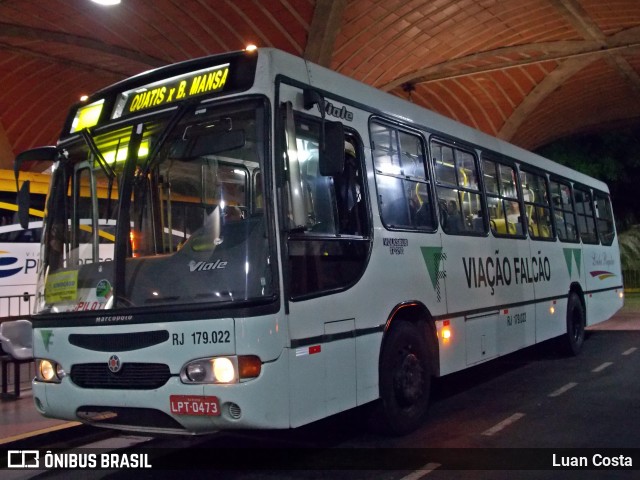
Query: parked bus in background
{"type": "Point", "coordinates": [19, 247]}
{"type": "Point", "coordinates": [287, 243]}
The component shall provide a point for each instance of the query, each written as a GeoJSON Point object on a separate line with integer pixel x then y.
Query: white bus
{"type": "Point", "coordinates": [330, 246]}
{"type": "Point", "coordinates": [19, 247]}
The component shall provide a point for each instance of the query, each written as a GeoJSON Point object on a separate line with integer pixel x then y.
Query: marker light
{"type": "Point", "coordinates": [87, 116]}
{"type": "Point", "coordinates": [251, 48]}
{"type": "Point", "coordinates": [446, 330]}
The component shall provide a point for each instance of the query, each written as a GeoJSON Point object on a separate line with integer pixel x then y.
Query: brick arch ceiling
{"type": "Point", "coordinates": [528, 71]}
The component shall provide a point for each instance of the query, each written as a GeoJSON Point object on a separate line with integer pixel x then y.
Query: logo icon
{"type": "Point", "coordinates": [571, 256]}
{"type": "Point", "coordinates": [114, 364]}
{"type": "Point", "coordinates": [46, 338]}
{"type": "Point", "coordinates": [23, 459]}
{"type": "Point", "coordinates": [5, 262]}
{"type": "Point", "coordinates": [602, 274]}
{"type": "Point", "coordinates": [434, 260]}
{"type": "Point", "coordinates": [103, 289]}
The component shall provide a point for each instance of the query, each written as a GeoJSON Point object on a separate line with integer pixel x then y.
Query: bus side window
{"type": "Point", "coordinates": [537, 206]}
{"type": "Point", "coordinates": [604, 215]}
{"type": "Point", "coordinates": [457, 185]}
{"type": "Point", "coordinates": [331, 252]}
{"type": "Point", "coordinates": [349, 193]}
{"type": "Point", "coordinates": [563, 213]}
{"type": "Point", "coordinates": [586, 221]}
{"type": "Point", "coordinates": [505, 215]}
{"type": "Point", "coordinates": [404, 190]}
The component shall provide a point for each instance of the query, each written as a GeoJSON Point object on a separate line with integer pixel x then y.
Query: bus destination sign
{"type": "Point", "coordinates": [172, 90]}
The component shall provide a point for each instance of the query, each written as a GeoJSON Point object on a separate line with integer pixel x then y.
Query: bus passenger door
{"type": "Point", "coordinates": [327, 245]}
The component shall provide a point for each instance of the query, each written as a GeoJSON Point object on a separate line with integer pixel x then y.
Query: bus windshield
{"type": "Point", "coordinates": [164, 212]}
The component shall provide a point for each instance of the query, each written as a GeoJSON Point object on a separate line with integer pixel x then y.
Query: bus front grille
{"type": "Point", "coordinates": [132, 376]}
{"type": "Point", "coordinates": [118, 342]}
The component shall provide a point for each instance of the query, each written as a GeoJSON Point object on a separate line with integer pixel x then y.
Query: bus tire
{"type": "Point", "coordinates": [405, 381]}
{"type": "Point", "coordinates": [576, 323]}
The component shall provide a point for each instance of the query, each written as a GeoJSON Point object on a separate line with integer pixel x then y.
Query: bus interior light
{"type": "Point", "coordinates": [120, 154]}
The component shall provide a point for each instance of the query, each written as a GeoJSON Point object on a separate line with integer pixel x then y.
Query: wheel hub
{"type": "Point", "coordinates": [409, 380]}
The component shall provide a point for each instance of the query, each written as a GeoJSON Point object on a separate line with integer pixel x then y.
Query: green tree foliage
{"type": "Point", "coordinates": [613, 157]}
{"type": "Point", "coordinates": [630, 256]}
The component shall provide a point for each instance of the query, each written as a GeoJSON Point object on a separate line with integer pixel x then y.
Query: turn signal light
{"type": "Point", "coordinates": [249, 366]}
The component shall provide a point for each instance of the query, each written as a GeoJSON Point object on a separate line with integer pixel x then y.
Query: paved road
{"type": "Point", "coordinates": [514, 412]}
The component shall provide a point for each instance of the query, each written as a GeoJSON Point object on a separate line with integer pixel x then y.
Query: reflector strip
{"type": "Point", "coordinates": [308, 350]}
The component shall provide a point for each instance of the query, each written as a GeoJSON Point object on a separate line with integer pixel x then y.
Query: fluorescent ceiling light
{"type": "Point", "coordinates": [106, 2]}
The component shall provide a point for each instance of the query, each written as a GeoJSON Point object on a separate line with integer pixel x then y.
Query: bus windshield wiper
{"type": "Point", "coordinates": [155, 148]}
{"type": "Point", "coordinates": [104, 165]}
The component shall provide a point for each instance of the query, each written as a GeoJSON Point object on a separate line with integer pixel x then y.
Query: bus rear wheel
{"type": "Point", "coordinates": [405, 381]}
{"type": "Point", "coordinates": [576, 322]}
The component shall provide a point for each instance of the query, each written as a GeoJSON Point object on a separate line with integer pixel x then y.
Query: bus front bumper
{"type": "Point", "coordinates": [175, 407]}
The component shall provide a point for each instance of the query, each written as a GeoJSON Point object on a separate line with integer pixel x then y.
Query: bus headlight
{"type": "Point", "coordinates": [230, 369]}
{"type": "Point", "coordinates": [224, 371]}
{"type": "Point", "coordinates": [196, 372]}
{"type": "Point", "coordinates": [49, 371]}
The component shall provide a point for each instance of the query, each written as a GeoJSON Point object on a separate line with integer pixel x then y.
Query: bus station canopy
{"type": "Point", "coordinates": [527, 71]}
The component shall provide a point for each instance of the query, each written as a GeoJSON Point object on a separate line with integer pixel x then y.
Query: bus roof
{"type": "Point", "coordinates": [364, 96]}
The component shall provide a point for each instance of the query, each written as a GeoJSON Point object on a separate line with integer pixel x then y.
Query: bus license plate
{"type": "Point", "coordinates": [195, 405]}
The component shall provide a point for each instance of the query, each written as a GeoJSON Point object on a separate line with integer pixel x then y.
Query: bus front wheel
{"type": "Point", "coordinates": [576, 322]}
{"type": "Point", "coordinates": [405, 380]}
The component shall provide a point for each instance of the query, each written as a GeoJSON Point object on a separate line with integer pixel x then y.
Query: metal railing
{"type": "Point", "coordinates": [631, 279]}
{"type": "Point", "coordinates": [16, 306]}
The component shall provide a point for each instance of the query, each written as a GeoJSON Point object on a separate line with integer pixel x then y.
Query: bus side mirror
{"type": "Point", "coordinates": [331, 161]}
{"type": "Point", "coordinates": [48, 154]}
{"type": "Point", "coordinates": [331, 154]}
{"type": "Point", "coordinates": [40, 154]}
{"type": "Point", "coordinates": [24, 203]}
